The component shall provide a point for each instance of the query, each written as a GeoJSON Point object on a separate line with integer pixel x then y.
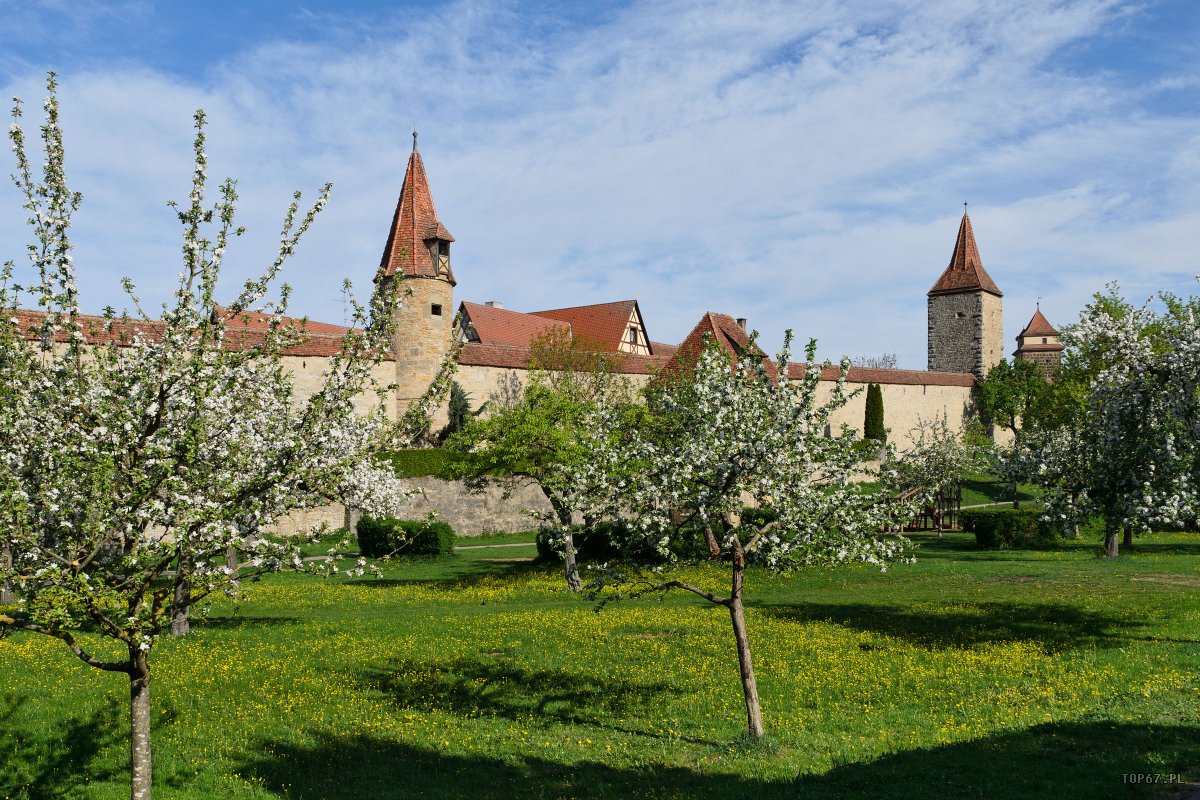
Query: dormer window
{"type": "Point", "coordinates": [439, 254]}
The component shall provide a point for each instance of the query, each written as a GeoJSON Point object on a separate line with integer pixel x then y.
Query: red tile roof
{"type": "Point", "coordinates": [1038, 326]}
{"type": "Point", "coordinates": [476, 354]}
{"type": "Point", "coordinates": [720, 328]}
{"type": "Point", "coordinates": [415, 221]}
{"type": "Point", "coordinates": [509, 328]}
{"type": "Point", "coordinates": [893, 377]}
{"type": "Point", "coordinates": [732, 338]}
{"type": "Point", "coordinates": [319, 339]}
{"type": "Point", "coordinates": [965, 272]}
{"type": "Point", "coordinates": [604, 324]}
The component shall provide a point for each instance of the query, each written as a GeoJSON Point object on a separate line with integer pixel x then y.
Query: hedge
{"type": "Point", "coordinates": [1001, 527]}
{"type": "Point", "coordinates": [433, 461]}
{"type": "Point", "coordinates": [407, 537]}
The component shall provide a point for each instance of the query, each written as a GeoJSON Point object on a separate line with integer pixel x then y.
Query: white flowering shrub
{"type": "Point", "coordinates": [137, 452]}
{"type": "Point", "coordinates": [736, 434]}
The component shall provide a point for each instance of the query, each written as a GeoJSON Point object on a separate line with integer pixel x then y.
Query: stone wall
{"type": "Point", "coordinates": [422, 337]}
{"type": "Point", "coordinates": [308, 375]}
{"type": "Point", "coordinates": [474, 514]}
{"type": "Point", "coordinates": [966, 332]}
{"type": "Point", "coordinates": [903, 406]}
{"type": "Point", "coordinates": [469, 514]}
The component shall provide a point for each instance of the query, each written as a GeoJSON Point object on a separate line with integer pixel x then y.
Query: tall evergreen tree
{"type": "Point", "coordinates": [873, 423]}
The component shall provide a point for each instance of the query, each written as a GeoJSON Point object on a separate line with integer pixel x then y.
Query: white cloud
{"type": "Point", "coordinates": [797, 164]}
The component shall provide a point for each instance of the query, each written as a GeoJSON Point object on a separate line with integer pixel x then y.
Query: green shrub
{"type": "Point", "coordinates": [1002, 527]}
{"type": "Point", "coordinates": [407, 537]}
{"type": "Point", "coordinates": [432, 461]}
{"type": "Point", "coordinates": [604, 541]}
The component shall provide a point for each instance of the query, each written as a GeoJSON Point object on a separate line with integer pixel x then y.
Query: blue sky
{"type": "Point", "coordinates": [802, 164]}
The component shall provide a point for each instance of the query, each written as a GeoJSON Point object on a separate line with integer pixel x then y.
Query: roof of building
{"type": "Point", "coordinates": [508, 328]}
{"type": "Point", "coordinates": [414, 223]}
{"type": "Point", "coordinates": [965, 272]}
{"type": "Point", "coordinates": [604, 324]}
{"type": "Point", "coordinates": [720, 328]}
{"type": "Point", "coordinates": [1038, 326]}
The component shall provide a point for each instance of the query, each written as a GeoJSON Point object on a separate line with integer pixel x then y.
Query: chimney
{"type": "Point", "coordinates": [494, 304]}
{"type": "Point", "coordinates": [741, 321]}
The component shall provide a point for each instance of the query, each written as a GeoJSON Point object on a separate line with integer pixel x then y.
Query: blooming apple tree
{"type": "Point", "coordinates": [135, 452]}
{"type": "Point", "coordinates": [732, 435]}
{"type": "Point", "coordinates": [1131, 455]}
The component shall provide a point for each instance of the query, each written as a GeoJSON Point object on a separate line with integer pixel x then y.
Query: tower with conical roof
{"type": "Point", "coordinates": [418, 254]}
{"type": "Point", "coordinates": [965, 312]}
{"type": "Point", "coordinates": [1039, 343]}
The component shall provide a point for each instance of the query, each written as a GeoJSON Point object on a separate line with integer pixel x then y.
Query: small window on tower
{"type": "Point", "coordinates": [1044, 340]}
{"type": "Point", "coordinates": [435, 309]}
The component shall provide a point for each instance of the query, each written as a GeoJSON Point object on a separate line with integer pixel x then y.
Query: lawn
{"type": "Point", "coordinates": [1044, 673]}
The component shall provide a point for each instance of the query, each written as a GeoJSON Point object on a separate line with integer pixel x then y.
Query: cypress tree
{"type": "Point", "coordinates": [459, 411]}
{"type": "Point", "coordinates": [873, 424]}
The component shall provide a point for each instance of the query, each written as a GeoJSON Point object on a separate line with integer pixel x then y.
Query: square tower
{"type": "Point", "coordinates": [965, 312]}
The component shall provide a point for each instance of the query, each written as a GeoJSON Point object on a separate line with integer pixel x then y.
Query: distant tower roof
{"type": "Point", "coordinates": [413, 226]}
{"type": "Point", "coordinates": [1038, 326]}
{"type": "Point", "coordinates": [966, 272]}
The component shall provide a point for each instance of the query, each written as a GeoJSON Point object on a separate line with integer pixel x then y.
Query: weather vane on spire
{"type": "Point", "coordinates": [414, 137]}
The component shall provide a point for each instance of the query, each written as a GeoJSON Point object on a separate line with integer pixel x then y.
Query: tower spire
{"type": "Point", "coordinates": [965, 273]}
{"type": "Point", "coordinates": [418, 243]}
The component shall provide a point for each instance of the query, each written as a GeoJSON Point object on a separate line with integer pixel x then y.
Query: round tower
{"type": "Point", "coordinates": [418, 255]}
{"type": "Point", "coordinates": [965, 312]}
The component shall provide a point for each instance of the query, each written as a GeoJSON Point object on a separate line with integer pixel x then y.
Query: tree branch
{"type": "Point", "coordinates": [69, 640]}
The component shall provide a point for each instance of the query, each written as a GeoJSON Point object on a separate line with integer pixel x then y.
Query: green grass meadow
{"type": "Point", "coordinates": [968, 674]}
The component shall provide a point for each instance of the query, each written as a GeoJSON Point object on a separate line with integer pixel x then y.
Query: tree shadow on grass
{"type": "Point", "coordinates": [34, 767]}
{"type": "Point", "coordinates": [1055, 626]}
{"type": "Point", "coordinates": [1088, 760]}
{"type": "Point", "coordinates": [472, 573]}
{"type": "Point", "coordinates": [492, 687]}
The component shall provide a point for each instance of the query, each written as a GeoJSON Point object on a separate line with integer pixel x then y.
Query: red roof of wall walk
{"type": "Point", "coordinates": [319, 339]}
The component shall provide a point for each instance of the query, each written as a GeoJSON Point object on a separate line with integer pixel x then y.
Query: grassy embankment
{"type": "Point", "coordinates": [967, 674]}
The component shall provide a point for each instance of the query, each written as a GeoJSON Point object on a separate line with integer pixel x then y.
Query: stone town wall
{"type": "Point", "coordinates": [308, 374]}
{"type": "Point", "coordinates": [903, 406]}
{"type": "Point", "coordinates": [468, 513]}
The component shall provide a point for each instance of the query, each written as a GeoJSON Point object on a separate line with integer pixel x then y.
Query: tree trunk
{"type": "Point", "coordinates": [1128, 540]}
{"type": "Point", "coordinates": [6, 595]}
{"type": "Point", "coordinates": [1110, 543]}
{"type": "Point", "coordinates": [350, 519]}
{"type": "Point", "coordinates": [574, 582]}
{"type": "Point", "coordinates": [180, 623]}
{"type": "Point", "coordinates": [737, 612]}
{"type": "Point", "coordinates": [141, 765]}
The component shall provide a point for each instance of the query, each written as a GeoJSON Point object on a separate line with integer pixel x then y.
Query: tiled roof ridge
{"type": "Point", "coordinates": [99, 330]}
{"type": "Point", "coordinates": [965, 272]}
